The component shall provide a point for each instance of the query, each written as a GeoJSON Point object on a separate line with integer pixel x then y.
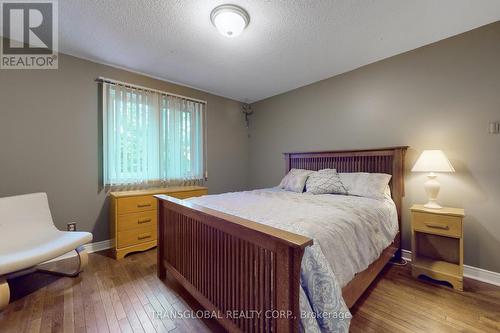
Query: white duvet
{"type": "Point", "coordinates": [349, 233]}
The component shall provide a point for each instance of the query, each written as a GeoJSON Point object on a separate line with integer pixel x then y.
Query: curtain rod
{"type": "Point", "coordinates": [135, 86]}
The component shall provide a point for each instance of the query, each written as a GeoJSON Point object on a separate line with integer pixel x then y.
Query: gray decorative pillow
{"type": "Point", "coordinates": [295, 180]}
{"type": "Point", "coordinates": [324, 182]}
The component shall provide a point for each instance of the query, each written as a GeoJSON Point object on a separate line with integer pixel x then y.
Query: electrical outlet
{"type": "Point", "coordinates": [72, 226]}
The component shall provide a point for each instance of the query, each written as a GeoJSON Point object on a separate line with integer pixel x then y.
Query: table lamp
{"type": "Point", "coordinates": [432, 161]}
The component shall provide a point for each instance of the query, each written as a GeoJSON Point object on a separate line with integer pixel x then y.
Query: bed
{"type": "Point", "coordinates": [248, 274]}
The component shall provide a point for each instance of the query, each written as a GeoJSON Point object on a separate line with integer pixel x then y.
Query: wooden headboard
{"type": "Point", "coordinates": [382, 160]}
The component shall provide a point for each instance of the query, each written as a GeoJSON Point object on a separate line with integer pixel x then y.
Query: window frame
{"type": "Point", "coordinates": [161, 98]}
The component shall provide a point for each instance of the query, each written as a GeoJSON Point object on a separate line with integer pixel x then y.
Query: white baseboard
{"type": "Point", "coordinates": [471, 272]}
{"type": "Point", "coordinates": [98, 246]}
{"type": "Point", "coordinates": [90, 247]}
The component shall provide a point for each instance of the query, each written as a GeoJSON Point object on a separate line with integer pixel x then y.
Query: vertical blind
{"type": "Point", "coordinates": [152, 138]}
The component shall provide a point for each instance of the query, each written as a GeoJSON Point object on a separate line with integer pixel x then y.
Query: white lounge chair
{"type": "Point", "coordinates": [29, 238]}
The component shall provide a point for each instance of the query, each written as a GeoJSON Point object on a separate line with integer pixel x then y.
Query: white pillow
{"type": "Point", "coordinates": [387, 191]}
{"type": "Point", "coordinates": [295, 180]}
{"type": "Point", "coordinates": [324, 182]}
{"type": "Point", "coordinates": [364, 184]}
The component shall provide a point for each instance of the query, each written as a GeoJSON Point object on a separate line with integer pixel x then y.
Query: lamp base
{"type": "Point", "coordinates": [432, 187]}
{"type": "Point", "coordinates": [433, 205]}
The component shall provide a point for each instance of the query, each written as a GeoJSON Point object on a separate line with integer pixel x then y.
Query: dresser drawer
{"type": "Point", "coordinates": [136, 236]}
{"type": "Point", "coordinates": [437, 224]}
{"type": "Point", "coordinates": [136, 204]}
{"type": "Point", "coordinates": [188, 194]}
{"type": "Point", "coordinates": [137, 220]}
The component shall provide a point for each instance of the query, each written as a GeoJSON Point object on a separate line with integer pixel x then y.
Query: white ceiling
{"type": "Point", "coordinates": [288, 44]}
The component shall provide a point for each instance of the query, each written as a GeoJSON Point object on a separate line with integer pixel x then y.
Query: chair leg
{"type": "Point", "coordinates": [4, 293]}
{"type": "Point", "coordinates": [83, 260]}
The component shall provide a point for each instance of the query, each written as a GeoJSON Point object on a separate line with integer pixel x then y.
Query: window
{"type": "Point", "coordinates": [151, 138]}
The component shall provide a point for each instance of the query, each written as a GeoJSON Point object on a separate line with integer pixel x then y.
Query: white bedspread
{"type": "Point", "coordinates": [349, 232]}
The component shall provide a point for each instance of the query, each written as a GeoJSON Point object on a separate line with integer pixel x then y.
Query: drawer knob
{"type": "Point", "coordinates": [142, 205]}
{"type": "Point", "coordinates": [143, 221]}
{"type": "Point", "coordinates": [436, 226]}
{"type": "Point", "coordinates": [143, 237]}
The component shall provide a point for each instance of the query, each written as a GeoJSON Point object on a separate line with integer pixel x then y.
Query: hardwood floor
{"type": "Point", "coordinates": [396, 302]}
{"type": "Point", "coordinates": [109, 296]}
{"type": "Point", "coordinates": [122, 296]}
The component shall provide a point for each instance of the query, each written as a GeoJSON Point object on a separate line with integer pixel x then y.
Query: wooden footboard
{"type": "Point", "coordinates": [246, 273]}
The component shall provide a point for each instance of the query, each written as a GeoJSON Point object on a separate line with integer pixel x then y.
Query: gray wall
{"type": "Point", "coordinates": [440, 96]}
{"type": "Point", "coordinates": [49, 139]}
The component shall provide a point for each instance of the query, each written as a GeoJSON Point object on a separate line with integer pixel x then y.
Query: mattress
{"type": "Point", "coordinates": [349, 234]}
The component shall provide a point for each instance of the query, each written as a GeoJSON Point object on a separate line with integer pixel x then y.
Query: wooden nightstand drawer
{"type": "Point", "coordinates": [136, 236]}
{"type": "Point", "coordinates": [136, 204]}
{"type": "Point", "coordinates": [137, 220]}
{"type": "Point", "coordinates": [444, 225]}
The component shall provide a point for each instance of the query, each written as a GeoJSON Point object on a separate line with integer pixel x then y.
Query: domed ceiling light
{"type": "Point", "coordinates": [230, 20]}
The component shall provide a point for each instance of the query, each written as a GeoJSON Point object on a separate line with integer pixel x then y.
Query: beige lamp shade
{"type": "Point", "coordinates": [433, 161]}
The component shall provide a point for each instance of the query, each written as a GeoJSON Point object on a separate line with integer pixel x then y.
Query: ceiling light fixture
{"type": "Point", "coordinates": [230, 20]}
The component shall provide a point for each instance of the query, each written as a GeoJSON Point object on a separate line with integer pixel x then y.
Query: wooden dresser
{"type": "Point", "coordinates": [134, 214]}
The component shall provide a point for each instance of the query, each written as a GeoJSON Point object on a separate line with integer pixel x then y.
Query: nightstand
{"type": "Point", "coordinates": [437, 244]}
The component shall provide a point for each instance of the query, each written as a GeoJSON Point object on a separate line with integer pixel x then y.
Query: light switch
{"type": "Point", "coordinates": [494, 127]}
